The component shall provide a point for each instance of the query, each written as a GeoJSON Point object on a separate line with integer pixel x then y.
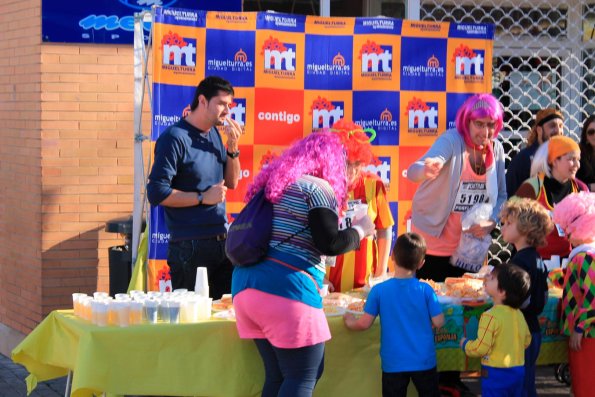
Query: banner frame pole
{"type": "Point", "coordinates": [141, 56]}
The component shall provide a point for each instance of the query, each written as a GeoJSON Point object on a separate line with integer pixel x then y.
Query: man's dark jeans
{"type": "Point", "coordinates": [183, 257]}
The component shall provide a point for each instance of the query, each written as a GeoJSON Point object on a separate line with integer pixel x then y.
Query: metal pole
{"type": "Point", "coordinates": [325, 8]}
{"type": "Point", "coordinates": [140, 62]}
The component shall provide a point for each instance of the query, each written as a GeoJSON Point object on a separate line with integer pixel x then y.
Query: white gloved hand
{"type": "Point", "coordinates": [364, 226]}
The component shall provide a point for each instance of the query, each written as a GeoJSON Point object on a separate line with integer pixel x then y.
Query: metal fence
{"type": "Point", "coordinates": [544, 56]}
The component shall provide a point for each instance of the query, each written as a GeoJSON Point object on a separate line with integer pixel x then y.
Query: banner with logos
{"type": "Point", "coordinates": [293, 74]}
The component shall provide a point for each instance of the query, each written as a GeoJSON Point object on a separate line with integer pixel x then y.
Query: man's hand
{"type": "Point", "coordinates": [233, 130]}
{"type": "Point", "coordinates": [215, 194]}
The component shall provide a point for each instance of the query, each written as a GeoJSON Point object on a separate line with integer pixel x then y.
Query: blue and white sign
{"type": "Point", "coordinates": [109, 21]}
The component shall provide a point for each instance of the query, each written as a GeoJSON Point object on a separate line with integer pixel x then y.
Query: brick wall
{"type": "Point", "coordinates": [66, 164]}
{"type": "Point", "coordinates": [20, 164]}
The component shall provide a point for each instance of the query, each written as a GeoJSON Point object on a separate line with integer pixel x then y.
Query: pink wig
{"type": "Point", "coordinates": [576, 216]}
{"type": "Point", "coordinates": [320, 154]}
{"type": "Point", "coordinates": [476, 107]}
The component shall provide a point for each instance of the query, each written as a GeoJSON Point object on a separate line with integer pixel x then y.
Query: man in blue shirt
{"type": "Point", "coordinates": [191, 173]}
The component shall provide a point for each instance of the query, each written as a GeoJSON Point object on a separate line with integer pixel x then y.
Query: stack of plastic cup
{"type": "Point", "coordinates": [201, 285]}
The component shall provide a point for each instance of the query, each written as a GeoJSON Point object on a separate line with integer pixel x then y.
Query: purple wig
{"type": "Point", "coordinates": [476, 107]}
{"type": "Point", "coordinates": [320, 154]}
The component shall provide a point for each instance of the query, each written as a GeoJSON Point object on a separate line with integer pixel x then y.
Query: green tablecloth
{"type": "Point", "coordinates": [209, 359]}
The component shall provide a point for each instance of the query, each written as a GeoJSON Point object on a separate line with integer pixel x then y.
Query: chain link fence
{"type": "Point", "coordinates": [544, 56]}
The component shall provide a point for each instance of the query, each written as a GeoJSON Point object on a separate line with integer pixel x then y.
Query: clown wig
{"type": "Point", "coordinates": [576, 216]}
{"type": "Point", "coordinates": [320, 154]}
{"type": "Point", "coordinates": [356, 142]}
{"type": "Point", "coordinates": [476, 107]}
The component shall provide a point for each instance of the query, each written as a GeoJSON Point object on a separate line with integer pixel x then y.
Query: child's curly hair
{"type": "Point", "coordinates": [533, 220]}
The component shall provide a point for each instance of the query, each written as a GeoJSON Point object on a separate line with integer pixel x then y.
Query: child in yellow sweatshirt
{"type": "Point", "coordinates": [503, 334]}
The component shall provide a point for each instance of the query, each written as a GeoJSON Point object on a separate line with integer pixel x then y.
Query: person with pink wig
{"type": "Point", "coordinates": [575, 214]}
{"type": "Point", "coordinates": [277, 301]}
{"type": "Point", "coordinates": [464, 166]}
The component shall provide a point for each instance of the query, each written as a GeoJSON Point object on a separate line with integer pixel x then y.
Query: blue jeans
{"type": "Point", "coordinates": [531, 354]}
{"type": "Point", "coordinates": [502, 382]}
{"type": "Point", "coordinates": [290, 372]}
{"type": "Point", "coordinates": [394, 384]}
{"type": "Point", "coordinates": [183, 257]}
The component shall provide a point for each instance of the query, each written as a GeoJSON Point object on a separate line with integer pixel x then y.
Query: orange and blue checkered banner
{"type": "Point", "coordinates": [293, 74]}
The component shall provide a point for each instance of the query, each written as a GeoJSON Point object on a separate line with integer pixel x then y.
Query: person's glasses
{"type": "Point", "coordinates": [491, 125]}
{"type": "Point", "coordinates": [590, 132]}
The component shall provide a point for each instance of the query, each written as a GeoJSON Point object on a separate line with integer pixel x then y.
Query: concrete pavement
{"type": "Point", "coordinates": [12, 383]}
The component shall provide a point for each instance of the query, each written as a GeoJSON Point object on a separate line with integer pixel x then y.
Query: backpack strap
{"type": "Point", "coordinates": [280, 262]}
{"type": "Point", "coordinates": [290, 237]}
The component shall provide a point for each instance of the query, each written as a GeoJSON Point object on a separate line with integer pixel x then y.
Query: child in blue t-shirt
{"type": "Point", "coordinates": [408, 308]}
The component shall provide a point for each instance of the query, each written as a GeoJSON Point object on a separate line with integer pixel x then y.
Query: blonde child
{"type": "Point", "coordinates": [407, 308]}
{"type": "Point", "coordinates": [525, 224]}
{"type": "Point", "coordinates": [503, 334]}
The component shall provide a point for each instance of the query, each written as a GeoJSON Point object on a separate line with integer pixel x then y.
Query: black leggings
{"type": "Point", "coordinates": [290, 372]}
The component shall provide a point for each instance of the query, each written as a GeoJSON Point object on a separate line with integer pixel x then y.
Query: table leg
{"type": "Point", "coordinates": [68, 384]}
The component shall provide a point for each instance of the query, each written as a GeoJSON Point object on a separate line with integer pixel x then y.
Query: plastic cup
{"type": "Point", "coordinates": [77, 303]}
{"type": "Point", "coordinates": [86, 307]}
{"type": "Point", "coordinates": [123, 313]}
{"type": "Point", "coordinates": [173, 307]}
{"type": "Point", "coordinates": [204, 308]}
{"type": "Point", "coordinates": [151, 307]}
{"type": "Point", "coordinates": [100, 295]}
{"type": "Point", "coordinates": [163, 310]}
{"type": "Point", "coordinates": [100, 313]}
{"type": "Point", "coordinates": [122, 297]}
{"type": "Point", "coordinates": [360, 210]}
{"type": "Point", "coordinates": [324, 290]}
{"type": "Point", "coordinates": [136, 312]}
{"type": "Point", "coordinates": [112, 315]}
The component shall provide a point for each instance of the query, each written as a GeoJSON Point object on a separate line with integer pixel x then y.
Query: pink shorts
{"type": "Point", "coordinates": [286, 323]}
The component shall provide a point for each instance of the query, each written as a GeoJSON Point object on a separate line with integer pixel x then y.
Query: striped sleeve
{"type": "Point", "coordinates": [484, 342]}
{"type": "Point", "coordinates": [320, 194]}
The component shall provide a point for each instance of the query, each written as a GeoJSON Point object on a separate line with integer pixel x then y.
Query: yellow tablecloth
{"type": "Point", "coordinates": [208, 358]}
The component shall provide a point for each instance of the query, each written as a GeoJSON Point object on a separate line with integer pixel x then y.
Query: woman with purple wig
{"type": "Point", "coordinates": [464, 166]}
{"type": "Point", "coordinates": [277, 300]}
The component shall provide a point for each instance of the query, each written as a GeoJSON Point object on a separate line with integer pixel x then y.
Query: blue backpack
{"type": "Point", "coordinates": [249, 235]}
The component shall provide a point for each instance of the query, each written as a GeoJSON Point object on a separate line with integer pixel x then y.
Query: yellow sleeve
{"type": "Point", "coordinates": [485, 337]}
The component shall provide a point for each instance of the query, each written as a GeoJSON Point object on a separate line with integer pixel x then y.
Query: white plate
{"type": "Point", "coordinates": [446, 299]}
{"type": "Point", "coordinates": [354, 312]}
{"type": "Point", "coordinates": [337, 311]}
{"type": "Point", "coordinates": [225, 314]}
